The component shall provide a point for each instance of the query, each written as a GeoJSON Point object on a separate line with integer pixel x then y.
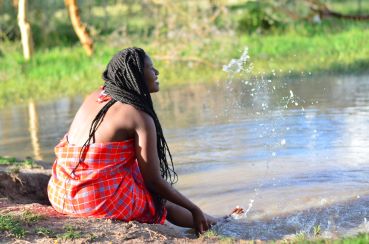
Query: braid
{"type": "Point", "coordinates": [124, 82]}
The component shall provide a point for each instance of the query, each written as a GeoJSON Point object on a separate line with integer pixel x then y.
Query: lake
{"type": "Point", "coordinates": [294, 152]}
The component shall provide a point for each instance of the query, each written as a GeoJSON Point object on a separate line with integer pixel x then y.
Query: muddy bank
{"type": "Point", "coordinates": [48, 226]}
{"type": "Point", "coordinates": [26, 216]}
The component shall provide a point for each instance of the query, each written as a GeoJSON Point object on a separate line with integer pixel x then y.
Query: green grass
{"type": "Point", "coordinates": [70, 233]}
{"type": "Point", "coordinates": [349, 7]}
{"type": "Point", "coordinates": [342, 52]}
{"type": "Point", "coordinates": [332, 47]}
{"type": "Point", "coordinates": [28, 217]}
{"type": "Point", "coordinates": [42, 231]}
{"type": "Point", "coordinates": [361, 238]}
{"type": "Point", "coordinates": [211, 236]}
{"type": "Point", "coordinates": [8, 160]}
{"type": "Point", "coordinates": [11, 161]}
{"type": "Point", "coordinates": [12, 226]}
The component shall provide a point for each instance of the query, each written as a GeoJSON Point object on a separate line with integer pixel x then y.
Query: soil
{"type": "Point", "coordinates": [64, 229]}
{"type": "Point", "coordinates": [24, 192]}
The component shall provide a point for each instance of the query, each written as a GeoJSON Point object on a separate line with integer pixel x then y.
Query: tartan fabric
{"type": "Point", "coordinates": [107, 184]}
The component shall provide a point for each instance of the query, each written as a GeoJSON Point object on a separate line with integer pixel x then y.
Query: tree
{"type": "Point", "coordinates": [25, 29]}
{"type": "Point", "coordinates": [79, 27]}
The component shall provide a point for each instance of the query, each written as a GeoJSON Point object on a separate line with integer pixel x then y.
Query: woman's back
{"type": "Point", "coordinates": [113, 162]}
{"type": "Point", "coordinates": [117, 125]}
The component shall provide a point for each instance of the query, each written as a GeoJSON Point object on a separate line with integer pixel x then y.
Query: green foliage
{"type": "Point", "coordinates": [211, 234]}
{"type": "Point", "coordinates": [28, 217]}
{"type": "Point", "coordinates": [13, 225]}
{"type": "Point", "coordinates": [9, 224]}
{"type": "Point", "coordinates": [358, 7]}
{"type": "Point", "coordinates": [8, 22]}
{"type": "Point", "coordinates": [61, 68]}
{"type": "Point", "coordinates": [316, 230]}
{"type": "Point", "coordinates": [44, 232]}
{"type": "Point", "coordinates": [341, 52]}
{"type": "Point", "coordinates": [11, 161]}
{"type": "Point", "coordinates": [361, 238]}
{"type": "Point", "coordinates": [15, 165]}
{"type": "Point", "coordinates": [68, 71]}
{"type": "Point", "coordinates": [269, 16]}
{"type": "Point", "coordinates": [70, 233]}
{"type": "Point", "coordinates": [7, 160]}
{"type": "Point", "coordinates": [300, 237]}
{"type": "Point", "coordinates": [259, 16]}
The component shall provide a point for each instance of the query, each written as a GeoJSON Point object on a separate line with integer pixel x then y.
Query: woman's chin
{"type": "Point", "coordinates": [154, 89]}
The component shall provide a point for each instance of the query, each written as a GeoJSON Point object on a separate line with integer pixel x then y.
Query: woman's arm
{"type": "Point", "coordinates": [148, 160]}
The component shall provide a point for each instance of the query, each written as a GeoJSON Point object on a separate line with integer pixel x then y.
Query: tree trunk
{"type": "Point", "coordinates": [25, 29]}
{"type": "Point", "coordinates": [79, 27]}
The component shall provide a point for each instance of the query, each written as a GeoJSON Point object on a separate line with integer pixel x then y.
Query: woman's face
{"type": "Point", "coordinates": [151, 75]}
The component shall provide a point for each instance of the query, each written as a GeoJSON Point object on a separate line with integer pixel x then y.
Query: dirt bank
{"type": "Point", "coordinates": [26, 216]}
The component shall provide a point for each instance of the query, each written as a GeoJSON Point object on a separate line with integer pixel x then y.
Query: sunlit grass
{"type": "Point", "coordinates": [11, 226]}
{"type": "Point", "coordinates": [67, 71]}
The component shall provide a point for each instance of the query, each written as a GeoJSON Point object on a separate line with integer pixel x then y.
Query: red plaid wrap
{"type": "Point", "coordinates": [107, 184]}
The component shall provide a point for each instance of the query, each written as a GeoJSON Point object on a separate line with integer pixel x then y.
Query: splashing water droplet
{"type": "Point", "coordinates": [236, 65]}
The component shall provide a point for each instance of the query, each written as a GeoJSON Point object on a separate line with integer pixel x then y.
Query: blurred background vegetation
{"type": "Point", "coordinates": [189, 41]}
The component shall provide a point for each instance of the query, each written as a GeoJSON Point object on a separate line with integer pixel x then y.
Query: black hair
{"type": "Point", "coordinates": [124, 82]}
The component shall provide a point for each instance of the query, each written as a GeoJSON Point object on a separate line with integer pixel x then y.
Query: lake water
{"type": "Point", "coordinates": [294, 152]}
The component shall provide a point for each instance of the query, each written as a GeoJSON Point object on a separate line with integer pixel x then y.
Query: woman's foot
{"type": "Point", "coordinates": [237, 213]}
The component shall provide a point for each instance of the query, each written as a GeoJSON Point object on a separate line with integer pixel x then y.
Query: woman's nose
{"type": "Point", "coordinates": [156, 71]}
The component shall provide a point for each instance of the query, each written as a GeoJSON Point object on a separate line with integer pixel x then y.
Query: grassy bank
{"type": "Point", "coordinates": [64, 71]}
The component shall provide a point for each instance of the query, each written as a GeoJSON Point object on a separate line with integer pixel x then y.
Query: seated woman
{"type": "Point", "coordinates": [113, 161]}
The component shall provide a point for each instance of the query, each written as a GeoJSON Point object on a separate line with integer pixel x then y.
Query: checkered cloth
{"type": "Point", "coordinates": [107, 184]}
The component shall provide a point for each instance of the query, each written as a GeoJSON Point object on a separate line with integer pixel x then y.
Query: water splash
{"type": "Point", "coordinates": [238, 65]}
{"type": "Point", "coordinates": [263, 99]}
{"type": "Point", "coordinates": [244, 214]}
{"type": "Point", "coordinates": [322, 222]}
{"type": "Point", "coordinates": [266, 99]}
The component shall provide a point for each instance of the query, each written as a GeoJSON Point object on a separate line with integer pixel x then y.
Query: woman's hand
{"type": "Point", "coordinates": [200, 222]}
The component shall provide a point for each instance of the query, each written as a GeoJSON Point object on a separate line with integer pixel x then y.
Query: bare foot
{"type": "Point", "coordinates": [237, 213]}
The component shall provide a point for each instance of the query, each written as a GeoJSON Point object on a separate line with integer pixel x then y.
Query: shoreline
{"type": "Point", "coordinates": [28, 218]}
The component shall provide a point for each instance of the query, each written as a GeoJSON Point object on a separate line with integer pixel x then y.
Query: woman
{"type": "Point", "coordinates": [113, 161]}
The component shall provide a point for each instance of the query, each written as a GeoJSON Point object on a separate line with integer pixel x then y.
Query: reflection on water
{"type": "Point", "coordinates": [33, 130]}
{"type": "Point", "coordinates": [298, 149]}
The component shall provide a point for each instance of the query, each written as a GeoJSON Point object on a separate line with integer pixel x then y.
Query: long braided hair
{"type": "Point", "coordinates": [124, 82]}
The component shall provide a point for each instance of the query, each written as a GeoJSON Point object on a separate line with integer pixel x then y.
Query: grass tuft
{"type": "Point", "coordinates": [42, 231]}
{"type": "Point", "coordinates": [29, 217]}
{"type": "Point", "coordinates": [12, 226]}
{"type": "Point", "coordinates": [70, 233]}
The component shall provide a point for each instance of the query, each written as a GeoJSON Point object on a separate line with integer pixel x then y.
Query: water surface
{"type": "Point", "coordinates": [293, 151]}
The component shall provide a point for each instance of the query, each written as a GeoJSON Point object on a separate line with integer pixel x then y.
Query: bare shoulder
{"type": "Point", "coordinates": [128, 114]}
